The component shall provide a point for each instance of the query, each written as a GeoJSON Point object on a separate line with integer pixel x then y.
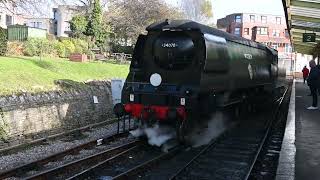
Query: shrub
{"type": "Point", "coordinates": [3, 41]}
{"type": "Point", "coordinates": [45, 47]}
{"type": "Point", "coordinates": [60, 49]}
{"type": "Point", "coordinates": [81, 46]}
{"type": "Point", "coordinates": [15, 48]}
{"type": "Point", "coordinates": [69, 47]}
{"type": "Point", "coordinates": [39, 46]}
{"type": "Point", "coordinates": [122, 49]}
{"type": "Point", "coordinates": [31, 47]}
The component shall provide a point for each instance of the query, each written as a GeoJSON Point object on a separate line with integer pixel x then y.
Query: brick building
{"type": "Point", "coordinates": [264, 28]}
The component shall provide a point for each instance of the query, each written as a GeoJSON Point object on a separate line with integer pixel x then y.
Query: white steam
{"type": "Point", "coordinates": [157, 135]}
{"type": "Point", "coordinates": [217, 124]}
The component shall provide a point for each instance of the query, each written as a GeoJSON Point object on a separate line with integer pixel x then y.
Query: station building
{"type": "Point", "coordinates": [300, 155]}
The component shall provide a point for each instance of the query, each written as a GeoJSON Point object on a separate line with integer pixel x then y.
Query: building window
{"type": "Point", "coordinates": [264, 19]}
{"type": "Point", "coordinates": [36, 24]}
{"type": "Point", "coordinates": [246, 31]}
{"type": "Point", "coordinates": [55, 14]}
{"type": "Point", "coordinates": [8, 20]}
{"type": "Point", "coordinates": [278, 20]}
{"type": "Point", "coordinates": [252, 18]}
{"type": "Point", "coordinates": [238, 18]}
{"type": "Point", "coordinates": [287, 48]}
{"type": "Point", "coordinates": [262, 30]}
{"type": "Point", "coordinates": [276, 33]}
{"type": "Point", "coordinates": [39, 25]}
{"type": "Point", "coordinates": [237, 31]}
{"type": "Point", "coordinates": [275, 45]}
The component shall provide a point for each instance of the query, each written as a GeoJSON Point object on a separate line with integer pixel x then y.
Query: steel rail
{"type": "Point", "coordinates": [90, 160]}
{"type": "Point", "coordinates": [214, 142]}
{"type": "Point", "coordinates": [270, 123]}
{"type": "Point", "coordinates": [147, 165]}
{"type": "Point", "coordinates": [38, 163]}
{"type": "Point", "coordinates": [88, 172]}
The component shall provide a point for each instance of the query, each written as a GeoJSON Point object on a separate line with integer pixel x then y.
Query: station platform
{"type": "Point", "coordinates": [300, 152]}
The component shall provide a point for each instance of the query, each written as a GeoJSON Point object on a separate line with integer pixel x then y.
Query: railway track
{"type": "Point", "coordinates": [234, 154]}
{"type": "Point", "coordinates": [231, 156]}
{"type": "Point", "coordinates": [237, 154]}
{"type": "Point", "coordinates": [128, 163]}
{"type": "Point", "coordinates": [39, 170]}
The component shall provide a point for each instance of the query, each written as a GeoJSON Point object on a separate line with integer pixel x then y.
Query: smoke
{"type": "Point", "coordinates": [137, 132]}
{"type": "Point", "coordinates": [156, 134]}
{"type": "Point", "coordinates": [202, 133]}
{"type": "Point", "coordinates": [217, 124]}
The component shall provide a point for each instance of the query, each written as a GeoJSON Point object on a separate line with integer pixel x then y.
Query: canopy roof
{"type": "Point", "coordinates": [303, 16]}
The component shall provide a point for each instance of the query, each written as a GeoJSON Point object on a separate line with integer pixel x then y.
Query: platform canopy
{"type": "Point", "coordinates": [303, 21]}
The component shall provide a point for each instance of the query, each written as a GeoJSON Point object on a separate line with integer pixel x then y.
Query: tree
{"type": "Point", "coordinates": [129, 18]}
{"type": "Point", "coordinates": [78, 25]}
{"type": "Point", "coordinates": [198, 10]}
{"type": "Point", "coordinates": [206, 9]}
{"type": "Point", "coordinates": [29, 7]}
{"type": "Point", "coordinates": [95, 19]}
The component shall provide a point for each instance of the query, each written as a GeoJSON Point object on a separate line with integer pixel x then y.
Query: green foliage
{"type": "Point", "coordinates": [122, 49]}
{"type": "Point", "coordinates": [94, 24]}
{"type": "Point", "coordinates": [78, 25]}
{"type": "Point", "coordinates": [39, 47]}
{"type": "Point", "coordinates": [69, 47]}
{"type": "Point", "coordinates": [48, 48]}
{"type": "Point", "coordinates": [206, 9]}
{"type": "Point", "coordinates": [91, 25]}
{"type": "Point", "coordinates": [60, 49]}
{"type": "Point", "coordinates": [81, 46]}
{"type": "Point", "coordinates": [31, 47]}
{"type": "Point", "coordinates": [3, 41]}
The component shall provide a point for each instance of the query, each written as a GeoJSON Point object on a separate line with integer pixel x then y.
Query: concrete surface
{"type": "Point", "coordinates": [300, 154]}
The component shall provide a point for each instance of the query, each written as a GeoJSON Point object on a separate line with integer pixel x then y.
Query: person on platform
{"type": "Point", "coordinates": [305, 74]}
{"type": "Point", "coordinates": [318, 66]}
{"type": "Point", "coordinates": [314, 82]}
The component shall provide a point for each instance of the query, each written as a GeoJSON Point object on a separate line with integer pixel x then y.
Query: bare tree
{"type": "Point", "coordinates": [42, 7]}
{"type": "Point", "coordinates": [129, 18]}
{"type": "Point", "coordinates": [30, 7]}
{"type": "Point", "coordinates": [197, 10]}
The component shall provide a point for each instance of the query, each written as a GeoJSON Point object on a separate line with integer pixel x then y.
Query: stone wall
{"type": "Point", "coordinates": [26, 115]}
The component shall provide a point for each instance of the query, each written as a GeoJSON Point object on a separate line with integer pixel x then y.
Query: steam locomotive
{"type": "Point", "coordinates": [182, 69]}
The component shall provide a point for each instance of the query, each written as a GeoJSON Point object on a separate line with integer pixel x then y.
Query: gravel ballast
{"type": "Point", "coordinates": [41, 151]}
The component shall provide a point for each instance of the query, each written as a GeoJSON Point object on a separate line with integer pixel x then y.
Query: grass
{"type": "Point", "coordinates": [30, 74]}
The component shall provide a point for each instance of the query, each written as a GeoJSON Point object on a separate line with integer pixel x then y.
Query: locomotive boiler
{"type": "Point", "coordinates": [182, 70]}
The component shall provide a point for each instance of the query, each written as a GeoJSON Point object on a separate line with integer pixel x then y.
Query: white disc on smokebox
{"type": "Point", "coordinates": [155, 79]}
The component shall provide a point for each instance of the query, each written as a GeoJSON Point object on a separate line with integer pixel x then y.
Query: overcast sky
{"type": "Point", "coordinates": [221, 8]}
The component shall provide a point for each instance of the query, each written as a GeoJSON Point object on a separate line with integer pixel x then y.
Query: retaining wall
{"type": "Point", "coordinates": [28, 116]}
